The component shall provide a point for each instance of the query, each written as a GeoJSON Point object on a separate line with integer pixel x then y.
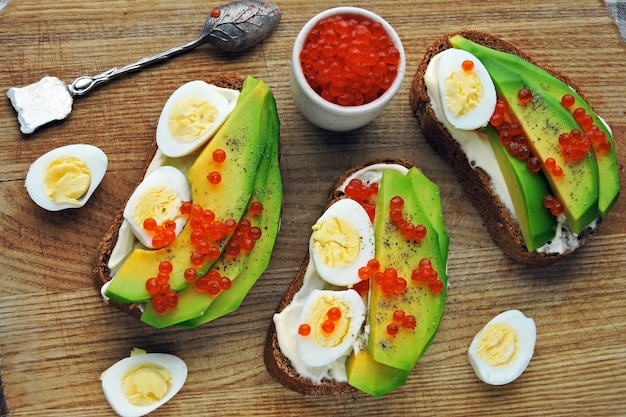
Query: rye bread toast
{"type": "Point", "coordinates": [499, 221]}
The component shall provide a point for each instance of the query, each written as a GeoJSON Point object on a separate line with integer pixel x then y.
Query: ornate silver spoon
{"type": "Point", "coordinates": [231, 27]}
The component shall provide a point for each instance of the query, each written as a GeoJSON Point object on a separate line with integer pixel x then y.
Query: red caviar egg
{"type": "Point", "coordinates": [525, 95]}
{"type": "Point", "coordinates": [214, 177]}
{"type": "Point", "coordinates": [149, 224]}
{"type": "Point", "coordinates": [185, 208]}
{"type": "Point", "coordinates": [334, 313]}
{"type": "Point", "coordinates": [392, 329]}
{"type": "Point", "coordinates": [190, 274]}
{"type": "Point", "coordinates": [328, 327]}
{"type": "Point", "coordinates": [256, 208]}
{"type": "Point", "coordinates": [304, 330]}
{"type": "Point", "coordinates": [219, 155]}
{"type": "Point", "coordinates": [467, 65]}
{"type": "Point", "coordinates": [568, 100]}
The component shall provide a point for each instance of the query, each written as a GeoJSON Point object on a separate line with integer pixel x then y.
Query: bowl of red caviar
{"type": "Point", "coordinates": [347, 64]}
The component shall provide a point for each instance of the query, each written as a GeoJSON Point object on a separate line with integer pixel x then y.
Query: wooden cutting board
{"type": "Point", "coordinates": [56, 336]}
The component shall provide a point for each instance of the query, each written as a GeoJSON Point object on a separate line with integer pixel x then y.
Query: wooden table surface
{"type": "Point", "coordinates": [56, 335]}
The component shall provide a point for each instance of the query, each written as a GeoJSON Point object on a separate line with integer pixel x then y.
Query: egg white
{"type": "Point", "coordinates": [169, 177]}
{"type": "Point", "coordinates": [451, 60]}
{"type": "Point", "coordinates": [354, 213]}
{"type": "Point", "coordinates": [313, 354]}
{"type": "Point", "coordinates": [112, 381]}
{"type": "Point", "coordinates": [95, 159]}
{"type": "Point", "coordinates": [166, 142]}
{"type": "Point", "coordinates": [526, 332]}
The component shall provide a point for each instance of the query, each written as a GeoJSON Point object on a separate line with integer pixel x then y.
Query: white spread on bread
{"type": "Point", "coordinates": [479, 153]}
{"type": "Point", "coordinates": [286, 322]}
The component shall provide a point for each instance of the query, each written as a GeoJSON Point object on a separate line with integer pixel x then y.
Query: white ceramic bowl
{"type": "Point", "coordinates": [331, 116]}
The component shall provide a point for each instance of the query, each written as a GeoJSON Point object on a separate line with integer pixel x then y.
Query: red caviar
{"type": "Point", "coordinates": [149, 224]}
{"type": "Point", "coordinates": [185, 208]}
{"type": "Point", "coordinates": [409, 322]}
{"type": "Point", "coordinates": [256, 208]}
{"type": "Point", "coordinates": [590, 130]}
{"type": "Point", "coordinates": [163, 297]}
{"type": "Point", "coordinates": [328, 327]}
{"type": "Point", "coordinates": [364, 194]}
{"type": "Point", "coordinates": [304, 330]}
{"type": "Point", "coordinates": [534, 164]}
{"type": "Point", "coordinates": [525, 95]}
{"type": "Point", "coordinates": [425, 272]}
{"type": "Point", "coordinates": [190, 274]}
{"type": "Point", "coordinates": [400, 318]}
{"type": "Point", "coordinates": [365, 272]}
{"type": "Point", "coordinates": [219, 155]}
{"type": "Point", "coordinates": [568, 100]}
{"type": "Point", "coordinates": [551, 203]}
{"type": "Point", "coordinates": [390, 282]}
{"type": "Point", "coordinates": [393, 329]}
{"type": "Point", "coordinates": [467, 65]}
{"type": "Point", "coordinates": [214, 177]}
{"type": "Point", "coordinates": [334, 313]}
{"type": "Point", "coordinates": [213, 283]}
{"type": "Point", "coordinates": [410, 231]}
{"type": "Point", "coordinates": [349, 60]}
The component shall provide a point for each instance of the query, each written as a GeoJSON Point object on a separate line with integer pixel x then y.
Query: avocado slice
{"type": "Point", "coordinates": [258, 259]}
{"type": "Point", "coordinates": [547, 84]}
{"type": "Point", "coordinates": [371, 377]}
{"type": "Point", "coordinates": [543, 120]}
{"type": "Point", "coordinates": [243, 138]}
{"type": "Point", "coordinates": [404, 349]}
{"type": "Point", "coordinates": [193, 303]}
{"type": "Point", "coordinates": [537, 224]}
{"type": "Point", "coordinates": [429, 198]}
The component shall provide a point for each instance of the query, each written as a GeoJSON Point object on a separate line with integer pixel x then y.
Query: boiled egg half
{"type": "Point", "coordinates": [342, 241]}
{"type": "Point", "coordinates": [329, 325]}
{"type": "Point", "coordinates": [159, 197]}
{"type": "Point", "coordinates": [502, 350]}
{"type": "Point", "coordinates": [142, 382]}
{"type": "Point", "coordinates": [190, 117]}
{"type": "Point", "coordinates": [466, 90]}
{"type": "Point", "coordinates": [66, 177]}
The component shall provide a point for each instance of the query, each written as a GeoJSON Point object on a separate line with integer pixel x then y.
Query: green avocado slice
{"type": "Point", "coordinates": [527, 191]}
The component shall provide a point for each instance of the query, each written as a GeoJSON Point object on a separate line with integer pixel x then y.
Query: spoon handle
{"type": "Point", "coordinates": [83, 84]}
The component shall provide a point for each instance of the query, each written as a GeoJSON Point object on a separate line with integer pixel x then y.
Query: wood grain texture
{"type": "Point", "coordinates": [56, 336]}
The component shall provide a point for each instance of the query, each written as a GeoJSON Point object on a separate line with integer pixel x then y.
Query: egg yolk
{"type": "Point", "coordinates": [336, 242]}
{"type": "Point", "coordinates": [158, 202]}
{"type": "Point", "coordinates": [317, 315]}
{"type": "Point", "coordinates": [463, 91]}
{"type": "Point", "coordinates": [191, 118]}
{"type": "Point", "coordinates": [498, 345]}
{"type": "Point", "coordinates": [66, 179]}
{"type": "Point", "coordinates": [146, 384]}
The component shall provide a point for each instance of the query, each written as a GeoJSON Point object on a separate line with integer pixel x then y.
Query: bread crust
{"type": "Point", "coordinates": [101, 271]}
{"type": "Point", "coordinates": [277, 364]}
{"type": "Point", "coordinates": [500, 223]}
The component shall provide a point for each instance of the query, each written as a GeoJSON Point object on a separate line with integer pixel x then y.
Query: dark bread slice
{"type": "Point", "coordinates": [500, 223]}
{"type": "Point", "coordinates": [101, 271]}
{"type": "Point", "coordinates": [277, 364]}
